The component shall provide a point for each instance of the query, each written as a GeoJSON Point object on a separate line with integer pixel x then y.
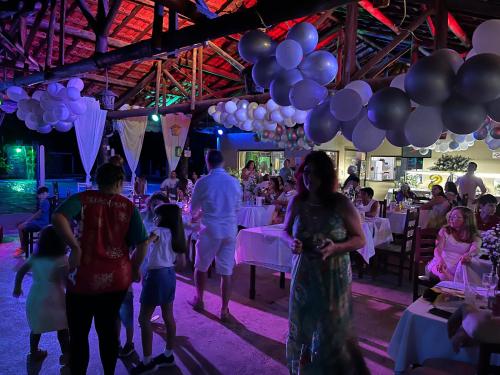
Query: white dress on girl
{"type": "Point", "coordinates": [45, 305]}
{"type": "Point", "coordinates": [362, 208]}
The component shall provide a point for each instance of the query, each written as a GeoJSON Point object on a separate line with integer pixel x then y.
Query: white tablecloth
{"type": "Point", "coordinates": [255, 216]}
{"type": "Point", "coordinates": [420, 336]}
{"type": "Point", "coordinates": [397, 220]}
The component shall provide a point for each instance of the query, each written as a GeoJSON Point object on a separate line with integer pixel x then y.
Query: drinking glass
{"type": "Point", "coordinates": [295, 367]}
{"type": "Point", "coordinates": [486, 280]}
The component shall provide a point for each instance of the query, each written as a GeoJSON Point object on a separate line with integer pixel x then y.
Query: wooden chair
{"type": "Point", "coordinates": [425, 242]}
{"type": "Point", "coordinates": [403, 250]}
{"type": "Point", "coordinates": [382, 208]}
{"type": "Point", "coordinates": [33, 236]}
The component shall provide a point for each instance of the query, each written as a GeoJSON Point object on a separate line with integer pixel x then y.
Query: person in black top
{"type": "Point", "coordinates": [352, 180]}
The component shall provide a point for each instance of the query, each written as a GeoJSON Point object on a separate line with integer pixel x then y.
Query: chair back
{"type": "Point", "coordinates": [425, 243]}
{"type": "Point", "coordinates": [382, 208]}
{"type": "Point", "coordinates": [411, 224]}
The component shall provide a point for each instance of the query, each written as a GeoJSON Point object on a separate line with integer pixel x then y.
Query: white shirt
{"type": "Point", "coordinates": [218, 196]}
{"type": "Point", "coordinates": [160, 253]}
{"type": "Point", "coordinates": [468, 184]}
{"type": "Point", "coordinates": [170, 183]}
{"type": "Point", "coordinates": [362, 208]}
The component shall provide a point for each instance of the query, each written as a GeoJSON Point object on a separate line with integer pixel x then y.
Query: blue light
{"type": "Point", "coordinates": [155, 117]}
{"type": "Point", "coordinates": [220, 132]}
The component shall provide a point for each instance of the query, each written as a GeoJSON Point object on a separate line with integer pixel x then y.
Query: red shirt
{"type": "Point", "coordinates": [488, 224]}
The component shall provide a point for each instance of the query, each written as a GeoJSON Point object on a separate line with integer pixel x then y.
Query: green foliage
{"type": "Point", "coordinates": [451, 163]}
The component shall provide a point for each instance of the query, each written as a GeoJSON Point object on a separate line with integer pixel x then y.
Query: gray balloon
{"type": "Point", "coordinates": [389, 108]}
{"type": "Point", "coordinates": [281, 85]}
{"type": "Point", "coordinates": [493, 109]}
{"type": "Point", "coordinates": [462, 116]}
{"type": "Point", "coordinates": [347, 127]}
{"type": "Point", "coordinates": [397, 138]}
{"type": "Point", "coordinates": [255, 45]}
{"type": "Point", "coordinates": [429, 81]}
{"type": "Point", "coordinates": [478, 78]}
{"type": "Point", "coordinates": [320, 125]}
{"type": "Point", "coordinates": [265, 70]}
{"type": "Point", "coordinates": [320, 66]}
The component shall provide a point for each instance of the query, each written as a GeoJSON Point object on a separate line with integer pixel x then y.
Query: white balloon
{"type": "Point", "coordinates": [227, 125]}
{"type": "Point", "coordinates": [241, 114]}
{"type": "Point", "coordinates": [299, 116]}
{"type": "Point", "coordinates": [271, 126]}
{"type": "Point", "coordinates": [62, 94]}
{"type": "Point", "coordinates": [366, 137]}
{"type": "Point", "coordinates": [76, 83]}
{"type": "Point", "coordinates": [73, 93]}
{"type": "Point", "coordinates": [247, 125]}
{"type": "Point", "coordinates": [231, 120]}
{"type": "Point", "coordinates": [271, 105]}
{"type": "Point", "coordinates": [443, 147]}
{"type": "Point", "coordinates": [362, 88]}
{"type": "Point", "coordinates": [424, 126]}
{"type": "Point", "coordinates": [220, 107]}
{"type": "Point", "coordinates": [230, 107]}
{"type": "Point", "coordinates": [423, 151]}
{"type": "Point", "coordinates": [470, 54]}
{"type": "Point", "coordinates": [61, 112]}
{"type": "Point", "coordinates": [288, 122]}
{"type": "Point", "coordinates": [31, 121]}
{"type": "Point", "coordinates": [16, 93]}
{"type": "Point", "coordinates": [223, 117]}
{"type": "Point", "coordinates": [53, 89]}
{"type": "Point", "coordinates": [63, 126]}
{"type": "Point", "coordinates": [21, 115]}
{"type": "Point", "coordinates": [212, 109]}
{"type": "Point", "coordinates": [49, 117]}
{"type": "Point", "coordinates": [287, 111]}
{"type": "Point", "coordinates": [485, 37]}
{"type": "Point", "coordinates": [470, 138]}
{"type": "Point", "coordinates": [78, 107]}
{"type": "Point", "coordinates": [260, 112]}
{"type": "Point", "coordinates": [276, 116]}
{"type": "Point", "coordinates": [258, 126]}
{"type": "Point", "coordinates": [243, 104]}
{"type": "Point", "coordinates": [37, 94]}
{"type": "Point", "coordinates": [216, 116]}
{"type": "Point", "coordinates": [44, 129]}
{"type": "Point", "coordinates": [24, 105]}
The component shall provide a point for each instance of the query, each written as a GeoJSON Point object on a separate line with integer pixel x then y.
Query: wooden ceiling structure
{"type": "Point", "coordinates": [178, 53]}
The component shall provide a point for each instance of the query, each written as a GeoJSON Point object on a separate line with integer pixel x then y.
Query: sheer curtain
{"type": "Point", "coordinates": [175, 127]}
{"type": "Point", "coordinates": [131, 132]}
{"type": "Point", "coordinates": [89, 128]}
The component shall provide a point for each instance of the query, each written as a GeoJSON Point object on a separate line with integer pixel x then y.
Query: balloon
{"type": "Point", "coordinates": [307, 94]}
{"type": "Point", "coordinates": [320, 66]}
{"type": "Point", "coordinates": [485, 37]}
{"type": "Point", "coordinates": [347, 127]}
{"type": "Point", "coordinates": [46, 101]}
{"type": "Point", "coordinates": [212, 109]}
{"type": "Point", "coordinates": [44, 129]}
{"type": "Point", "coordinates": [288, 122]}
{"type": "Point", "coordinates": [61, 112]}
{"type": "Point", "coordinates": [24, 105]}
{"type": "Point", "coordinates": [78, 107]}
{"type": "Point", "coordinates": [397, 138]}
{"type": "Point", "coordinates": [230, 107]}
{"type": "Point", "coordinates": [272, 106]}
{"type": "Point", "coordinates": [260, 112]}
{"type": "Point", "coordinates": [493, 109]}
{"type": "Point", "coordinates": [280, 87]}
{"type": "Point", "coordinates": [429, 81]}
{"type": "Point", "coordinates": [399, 83]}
{"type": "Point", "coordinates": [16, 93]}
{"type": "Point", "coordinates": [300, 131]}
{"type": "Point", "coordinates": [31, 121]}
{"type": "Point", "coordinates": [493, 144]}
{"type": "Point", "coordinates": [231, 120]}
{"type": "Point", "coordinates": [479, 78]}
{"type": "Point", "coordinates": [279, 130]}
{"type": "Point", "coordinates": [452, 57]}
{"type": "Point", "coordinates": [461, 116]}
{"type": "Point", "coordinates": [366, 137]}
{"type": "Point", "coordinates": [495, 132]}
{"type": "Point", "coordinates": [255, 45]}
{"type": "Point", "coordinates": [289, 54]}
{"type": "Point", "coordinates": [21, 115]}
{"type": "Point", "coordinates": [264, 71]}
{"type": "Point", "coordinates": [37, 95]}
{"type": "Point", "coordinates": [346, 104]}
{"type": "Point", "coordinates": [287, 111]}
{"type": "Point", "coordinates": [276, 116]}
{"type": "Point", "coordinates": [220, 107]}
{"type": "Point", "coordinates": [73, 93]}
{"type": "Point", "coordinates": [459, 138]}
{"type": "Point", "coordinates": [243, 104]}
{"type": "Point", "coordinates": [362, 88]}
{"type": "Point", "coordinates": [305, 34]}
{"type": "Point", "coordinates": [299, 116]}
{"type": "Point", "coordinates": [389, 108]}
{"type": "Point", "coordinates": [247, 125]}
{"type": "Point", "coordinates": [257, 125]}
{"type": "Point", "coordinates": [54, 88]}
{"type": "Point", "coordinates": [453, 145]}
{"type": "Point", "coordinates": [76, 83]}
{"type": "Point", "coordinates": [320, 125]}
{"type": "Point", "coordinates": [270, 126]}
{"type": "Point", "coordinates": [241, 114]}
{"type": "Point", "coordinates": [217, 117]}
{"type": "Point", "coordinates": [470, 54]}
{"type": "Point", "coordinates": [443, 147]}
{"type": "Point", "coordinates": [424, 151]}
{"type": "Point", "coordinates": [49, 117]}
{"type": "Point", "coordinates": [424, 126]}
{"type": "Point", "coordinates": [63, 126]}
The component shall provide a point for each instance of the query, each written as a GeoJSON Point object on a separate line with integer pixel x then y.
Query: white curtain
{"type": "Point", "coordinates": [89, 128]}
{"type": "Point", "coordinates": [131, 132]}
{"type": "Point", "coordinates": [175, 127]}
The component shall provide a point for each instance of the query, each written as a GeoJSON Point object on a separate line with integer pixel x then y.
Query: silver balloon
{"type": "Point", "coordinates": [366, 137]}
{"type": "Point", "coordinates": [255, 45]}
{"type": "Point", "coordinates": [281, 85]}
{"type": "Point", "coordinates": [347, 127]}
{"type": "Point", "coordinates": [429, 81]}
{"type": "Point", "coordinates": [307, 94]}
{"type": "Point", "coordinates": [320, 125]}
{"type": "Point", "coordinates": [320, 66]}
{"type": "Point", "coordinates": [389, 108]}
{"type": "Point", "coordinates": [462, 116]}
{"type": "Point", "coordinates": [264, 71]}
{"type": "Point", "coordinates": [478, 79]}
{"type": "Point", "coordinates": [424, 126]}
{"type": "Point", "coordinates": [305, 34]}
{"type": "Point", "coordinates": [397, 138]}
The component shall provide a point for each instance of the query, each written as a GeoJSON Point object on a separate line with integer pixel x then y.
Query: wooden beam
{"type": "Point", "coordinates": [126, 20]}
{"type": "Point", "coordinates": [157, 26]}
{"type": "Point", "coordinates": [22, 31]}
{"type": "Point", "coordinates": [441, 21]}
{"type": "Point", "coordinates": [143, 82]}
{"type": "Point", "coordinates": [226, 56]}
{"type": "Point", "coordinates": [200, 71]}
{"type": "Point", "coordinates": [157, 86]}
{"type": "Point", "coordinates": [62, 34]}
{"type": "Point", "coordinates": [193, 80]}
{"type": "Point", "coordinates": [189, 77]}
{"type": "Point", "coordinates": [351, 30]}
{"type": "Point", "coordinates": [50, 36]}
{"type": "Point", "coordinates": [34, 28]}
{"type": "Point", "coordinates": [110, 16]}
{"type": "Point", "coordinates": [223, 91]}
{"type": "Point", "coordinates": [208, 69]}
{"type": "Point", "coordinates": [197, 12]}
{"type": "Point", "coordinates": [176, 83]}
{"type": "Point", "coordinates": [164, 91]}
{"type": "Point", "coordinates": [389, 47]}
{"type": "Point", "coordinates": [82, 4]}
{"type": "Point", "coordinates": [389, 63]}
{"type": "Point", "coordinates": [114, 81]}
{"type": "Point", "coordinates": [379, 15]}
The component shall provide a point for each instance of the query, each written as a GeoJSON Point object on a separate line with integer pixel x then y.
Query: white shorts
{"type": "Point", "coordinates": [220, 249]}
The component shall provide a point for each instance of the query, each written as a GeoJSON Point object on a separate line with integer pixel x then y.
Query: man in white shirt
{"type": "Point", "coordinates": [216, 199]}
{"type": "Point", "coordinates": [170, 185]}
{"type": "Point", "coordinates": [468, 183]}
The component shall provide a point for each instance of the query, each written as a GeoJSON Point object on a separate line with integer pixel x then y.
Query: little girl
{"type": "Point", "coordinates": [45, 305]}
{"type": "Point", "coordinates": [167, 243]}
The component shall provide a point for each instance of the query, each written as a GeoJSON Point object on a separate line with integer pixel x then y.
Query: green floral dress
{"type": "Point", "coordinates": [320, 339]}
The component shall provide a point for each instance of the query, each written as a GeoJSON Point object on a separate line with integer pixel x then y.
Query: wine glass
{"type": "Point", "coordinates": [486, 280]}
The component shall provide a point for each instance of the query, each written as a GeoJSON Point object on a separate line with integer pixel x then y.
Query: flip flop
{"type": "Point", "coordinates": [198, 306]}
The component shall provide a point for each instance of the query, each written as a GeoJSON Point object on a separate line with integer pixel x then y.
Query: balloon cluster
{"type": "Point", "coordinates": [289, 138]}
{"type": "Point", "coordinates": [57, 108]}
{"type": "Point", "coordinates": [255, 117]}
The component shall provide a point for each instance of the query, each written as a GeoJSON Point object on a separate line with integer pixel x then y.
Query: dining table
{"type": "Point", "coordinates": [397, 219]}
{"type": "Point", "coordinates": [421, 335]}
{"type": "Point", "coordinates": [250, 216]}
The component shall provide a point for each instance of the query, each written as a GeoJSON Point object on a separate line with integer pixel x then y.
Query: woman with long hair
{"type": "Point", "coordinates": [456, 244]}
{"type": "Point", "coordinates": [323, 227]}
{"type": "Point", "coordinates": [439, 207]}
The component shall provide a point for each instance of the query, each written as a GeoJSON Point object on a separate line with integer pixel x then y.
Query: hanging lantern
{"type": "Point", "coordinates": [175, 130]}
{"type": "Point", "coordinates": [107, 99]}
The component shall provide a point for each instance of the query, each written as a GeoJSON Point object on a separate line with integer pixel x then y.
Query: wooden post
{"type": "Point", "coordinates": [62, 21]}
{"type": "Point", "coordinates": [50, 38]}
{"type": "Point", "coordinates": [193, 81]}
{"type": "Point", "coordinates": [157, 26]}
{"type": "Point", "coordinates": [414, 51]}
{"type": "Point", "coordinates": [200, 71]}
{"type": "Point", "coordinates": [340, 56]}
{"type": "Point", "coordinates": [158, 81]}
{"type": "Point", "coordinates": [351, 30]}
{"type": "Point", "coordinates": [164, 91]}
{"type": "Point", "coordinates": [441, 37]}
{"type": "Point", "coordinates": [176, 83]}
{"type": "Point", "coordinates": [391, 62]}
{"type": "Point", "coordinates": [230, 59]}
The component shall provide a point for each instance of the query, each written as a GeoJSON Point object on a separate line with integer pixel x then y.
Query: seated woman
{"type": "Point", "coordinates": [439, 206]}
{"type": "Point", "coordinates": [367, 204]}
{"type": "Point", "coordinates": [486, 218]}
{"type": "Point", "coordinates": [405, 193]}
{"type": "Point", "coordinates": [451, 192]}
{"type": "Point", "coordinates": [281, 202]}
{"type": "Point", "coordinates": [273, 190]}
{"type": "Point", "coordinates": [456, 244]}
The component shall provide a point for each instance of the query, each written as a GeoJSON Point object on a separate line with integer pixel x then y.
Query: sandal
{"type": "Point", "coordinates": [197, 305]}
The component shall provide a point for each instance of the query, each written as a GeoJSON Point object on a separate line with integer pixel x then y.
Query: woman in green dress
{"type": "Point", "coordinates": [324, 227]}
